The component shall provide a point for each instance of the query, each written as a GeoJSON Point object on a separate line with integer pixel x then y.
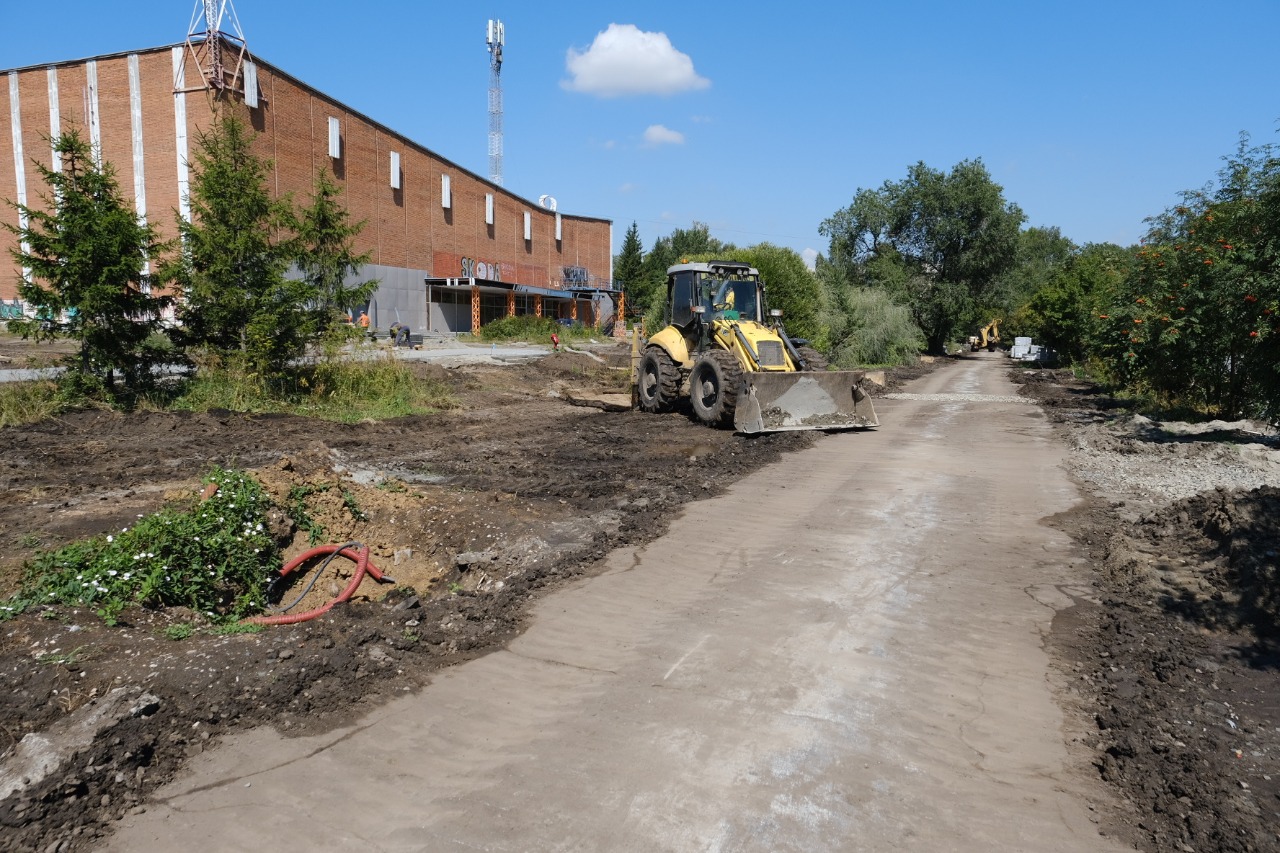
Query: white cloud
{"type": "Point", "coordinates": [627, 187]}
{"type": "Point", "coordinates": [810, 257]}
{"type": "Point", "coordinates": [623, 60]}
{"type": "Point", "coordinates": [656, 134]}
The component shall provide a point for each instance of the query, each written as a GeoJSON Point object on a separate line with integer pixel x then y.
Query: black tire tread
{"type": "Point", "coordinates": [729, 378]}
{"type": "Point", "coordinates": [656, 361]}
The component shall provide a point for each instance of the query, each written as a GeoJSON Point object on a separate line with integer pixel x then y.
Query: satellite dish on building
{"type": "Point", "coordinates": [547, 202]}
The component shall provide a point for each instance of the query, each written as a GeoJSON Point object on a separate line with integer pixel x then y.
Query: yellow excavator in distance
{"type": "Point", "coordinates": [987, 338]}
{"type": "Point", "coordinates": [741, 368]}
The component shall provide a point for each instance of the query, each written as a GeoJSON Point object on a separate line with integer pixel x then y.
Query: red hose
{"type": "Point", "coordinates": [363, 567]}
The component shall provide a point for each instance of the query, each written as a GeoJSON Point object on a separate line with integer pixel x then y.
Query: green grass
{"type": "Point", "coordinates": [28, 402]}
{"type": "Point", "coordinates": [526, 327]}
{"type": "Point", "coordinates": [74, 656]}
{"type": "Point", "coordinates": [179, 631]}
{"type": "Point", "coordinates": [297, 509]}
{"type": "Point", "coordinates": [336, 390]}
{"type": "Point", "coordinates": [231, 628]}
{"type": "Point", "coordinates": [352, 506]}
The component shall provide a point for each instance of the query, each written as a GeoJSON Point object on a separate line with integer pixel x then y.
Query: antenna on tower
{"type": "Point", "coordinates": [496, 38]}
{"type": "Point", "coordinates": [214, 28]}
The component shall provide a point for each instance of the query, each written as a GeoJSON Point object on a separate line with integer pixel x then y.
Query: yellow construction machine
{"type": "Point", "coordinates": [741, 369]}
{"type": "Point", "coordinates": [987, 338]}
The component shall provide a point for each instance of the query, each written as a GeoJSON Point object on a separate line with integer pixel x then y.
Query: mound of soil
{"type": "Point", "coordinates": [1175, 657]}
{"type": "Point", "coordinates": [472, 511]}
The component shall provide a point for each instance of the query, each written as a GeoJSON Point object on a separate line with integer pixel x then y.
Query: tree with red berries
{"type": "Point", "coordinates": [1197, 322]}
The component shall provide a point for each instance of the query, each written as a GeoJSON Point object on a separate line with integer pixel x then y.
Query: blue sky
{"type": "Point", "coordinates": [761, 121]}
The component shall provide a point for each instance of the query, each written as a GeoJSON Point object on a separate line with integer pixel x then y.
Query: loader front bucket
{"type": "Point", "coordinates": [827, 400]}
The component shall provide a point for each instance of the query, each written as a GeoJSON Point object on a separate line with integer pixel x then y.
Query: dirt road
{"type": "Point", "coordinates": [844, 651]}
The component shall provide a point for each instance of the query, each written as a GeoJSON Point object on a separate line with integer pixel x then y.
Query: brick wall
{"type": "Point", "coordinates": [405, 228]}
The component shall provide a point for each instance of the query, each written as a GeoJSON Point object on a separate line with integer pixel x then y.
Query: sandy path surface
{"type": "Point", "coordinates": [843, 652]}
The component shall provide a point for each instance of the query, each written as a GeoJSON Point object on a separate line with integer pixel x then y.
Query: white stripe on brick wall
{"type": "Point", "coordinates": [139, 162]}
{"type": "Point", "coordinates": [135, 116]}
{"type": "Point", "coordinates": [19, 159]}
{"type": "Point", "coordinates": [91, 108]}
{"type": "Point", "coordinates": [180, 126]}
{"type": "Point", "coordinates": [55, 118]}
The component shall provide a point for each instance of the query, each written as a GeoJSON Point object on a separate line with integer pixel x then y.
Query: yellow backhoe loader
{"type": "Point", "coordinates": [987, 338]}
{"type": "Point", "coordinates": [742, 370]}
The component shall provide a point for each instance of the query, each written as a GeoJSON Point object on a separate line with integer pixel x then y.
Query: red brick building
{"type": "Point", "coordinates": [450, 249]}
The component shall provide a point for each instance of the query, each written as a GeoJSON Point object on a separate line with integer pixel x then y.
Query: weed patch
{"type": "Point", "coordinates": [28, 402]}
{"type": "Point", "coordinates": [215, 558]}
{"type": "Point", "coordinates": [527, 327]}
{"type": "Point", "coordinates": [301, 516]}
{"type": "Point", "coordinates": [337, 389]}
{"type": "Point", "coordinates": [179, 631]}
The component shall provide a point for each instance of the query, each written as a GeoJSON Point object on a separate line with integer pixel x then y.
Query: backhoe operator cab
{"type": "Point", "coordinates": [740, 365]}
{"type": "Point", "coordinates": [731, 297]}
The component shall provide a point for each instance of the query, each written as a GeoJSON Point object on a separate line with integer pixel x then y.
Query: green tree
{"type": "Point", "coordinates": [628, 269]}
{"type": "Point", "coordinates": [695, 243]}
{"type": "Point", "coordinates": [939, 240]}
{"type": "Point", "coordinates": [682, 243]}
{"type": "Point", "coordinates": [237, 248]}
{"type": "Point", "coordinates": [865, 325]}
{"type": "Point", "coordinates": [86, 253]}
{"type": "Point", "coordinates": [1042, 253]}
{"type": "Point", "coordinates": [1197, 321]}
{"type": "Point", "coordinates": [326, 255]}
{"type": "Point", "coordinates": [791, 287]}
{"type": "Point", "coordinates": [1062, 313]}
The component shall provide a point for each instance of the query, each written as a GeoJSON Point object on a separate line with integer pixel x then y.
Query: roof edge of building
{"type": "Point", "coordinates": [299, 81]}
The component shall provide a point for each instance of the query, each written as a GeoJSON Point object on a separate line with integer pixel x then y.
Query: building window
{"type": "Point", "coordinates": [446, 193]}
{"type": "Point", "coordinates": [395, 170]}
{"type": "Point", "coordinates": [335, 138]}
{"type": "Point", "coordinates": [559, 233]}
{"type": "Point", "coordinates": [528, 226]}
{"type": "Point", "coordinates": [488, 208]}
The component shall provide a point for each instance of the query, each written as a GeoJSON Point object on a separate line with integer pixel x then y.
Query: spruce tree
{"type": "Point", "coordinates": [326, 255]}
{"type": "Point", "coordinates": [628, 269]}
{"type": "Point", "coordinates": [237, 248]}
{"type": "Point", "coordinates": [85, 254]}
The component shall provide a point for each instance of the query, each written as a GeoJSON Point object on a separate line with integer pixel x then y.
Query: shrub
{"type": "Point", "coordinates": [876, 330]}
{"type": "Point", "coordinates": [215, 558]}
{"type": "Point", "coordinates": [527, 327]}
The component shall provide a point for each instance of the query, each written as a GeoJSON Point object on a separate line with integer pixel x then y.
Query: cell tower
{"type": "Point", "coordinates": [214, 28]}
{"type": "Point", "coordinates": [496, 38]}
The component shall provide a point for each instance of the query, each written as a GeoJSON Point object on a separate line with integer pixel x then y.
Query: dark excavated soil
{"type": "Point", "coordinates": [1169, 666]}
{"type": "Point", "coordinates": [1175, 663]}
{"type": "Point", "coordinates": [474, 511]}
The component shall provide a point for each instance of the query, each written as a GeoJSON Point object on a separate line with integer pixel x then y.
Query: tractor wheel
{"type": "Point", "coordinates": [813, 359]}
{"type": "Point", "coordinates": [659, 381]}
{"type": "Point", "coordinates": [713, 387]}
